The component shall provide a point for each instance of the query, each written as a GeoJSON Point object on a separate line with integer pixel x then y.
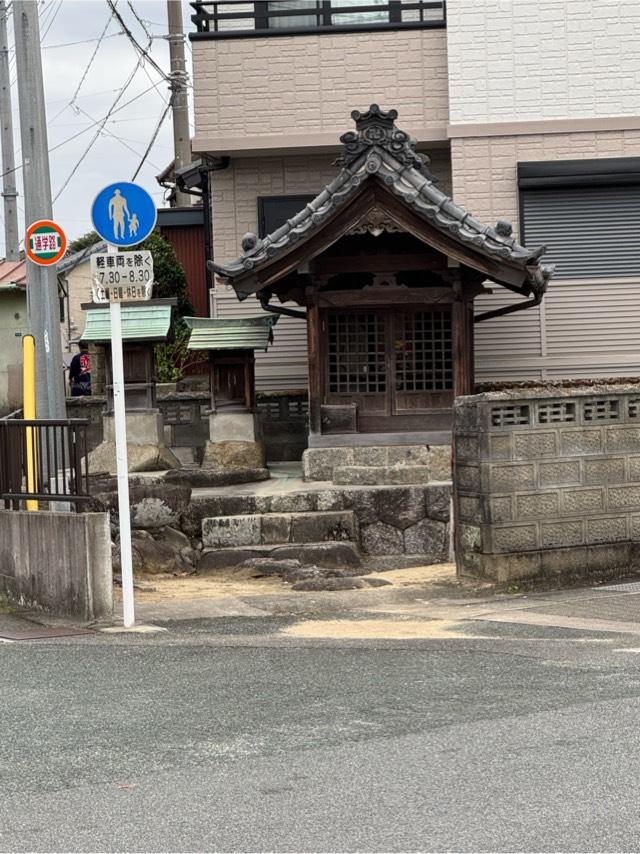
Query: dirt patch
{"type": "Point", "coordinates": [233, 583]}
{"type": "Point", "coordinates": [390, 629]}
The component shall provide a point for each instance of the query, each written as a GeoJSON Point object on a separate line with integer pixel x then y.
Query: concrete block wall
{"type": "Point", "coordinates": [60, 562]}
{"type": "Point", "coordinates": [547, 485]}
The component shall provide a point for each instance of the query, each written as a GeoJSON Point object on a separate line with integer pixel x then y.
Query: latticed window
{"type": "Point", "coordinates": [357, 363]}
{"type": "Point", "coordinates": [423, 351]}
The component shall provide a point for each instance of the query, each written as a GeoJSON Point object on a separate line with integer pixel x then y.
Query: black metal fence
{"type": "Point", "coordinates": [234, 19]}
{"type": "Point", "coordinates": [43, 460]}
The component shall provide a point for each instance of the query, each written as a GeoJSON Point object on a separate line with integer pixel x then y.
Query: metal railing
{"type": "Point", "coordinates": [57, 451]}
{"type": "Point", "coordinates": [219, 19]}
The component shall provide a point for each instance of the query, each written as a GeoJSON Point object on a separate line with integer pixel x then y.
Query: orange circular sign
{"type": "Point", "coordinates": [46, 242]}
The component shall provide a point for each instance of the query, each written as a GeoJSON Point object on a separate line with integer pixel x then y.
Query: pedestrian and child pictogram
{"type": "Point", "coordinates": [45, 243]}
{"type": "Point", "coordinates": [123, 214]}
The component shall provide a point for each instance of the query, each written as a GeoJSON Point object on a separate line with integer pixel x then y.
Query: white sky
{"type": "Point", "coordinates": [117, 152]}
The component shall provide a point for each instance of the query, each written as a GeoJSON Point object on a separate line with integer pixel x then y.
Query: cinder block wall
{"type": "Point", "coordinates": [547, 485]}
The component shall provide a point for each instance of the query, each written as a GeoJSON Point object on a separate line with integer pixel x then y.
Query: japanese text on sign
{"type": "Point", "coordinates": [121, 276]}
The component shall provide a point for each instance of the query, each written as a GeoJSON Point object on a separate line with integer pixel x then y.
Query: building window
{"type": "Point", "coordinates": [295, 20]}
{"type": "Point", "coordinates": [274, 211]}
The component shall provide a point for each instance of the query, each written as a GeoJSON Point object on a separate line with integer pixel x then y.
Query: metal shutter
{"type": "Point", "coordinates": [590, 232]}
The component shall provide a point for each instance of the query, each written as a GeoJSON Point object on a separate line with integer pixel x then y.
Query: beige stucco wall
{"type": "Point", "coordinates": [13, 325]}
{"type": "Point", "coordinates": [235, 211]}
{"type": "Point", "coordinates": [265, 94]}
{"type": "Point", "coordinates": [587, 328]}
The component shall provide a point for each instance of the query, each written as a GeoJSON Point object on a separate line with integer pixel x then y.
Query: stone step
{"type": "Point", "coordinates": [327, 554]}
{"type": "Point", "coordinates": [257, 529]}
{"type": "Point", "coordinates": [321, 463]}
{"type": "Point", "coordinates": [381, 475]}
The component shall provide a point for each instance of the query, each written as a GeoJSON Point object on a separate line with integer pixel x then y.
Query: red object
{"type": "Point", "coordinates": [45, 243]}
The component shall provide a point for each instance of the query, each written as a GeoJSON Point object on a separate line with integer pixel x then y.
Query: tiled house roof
{"type": "Point", "coordinates": [378, 150]}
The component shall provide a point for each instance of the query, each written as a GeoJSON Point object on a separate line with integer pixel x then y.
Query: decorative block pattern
{"type": "Point", "coordinates": [563, 497]}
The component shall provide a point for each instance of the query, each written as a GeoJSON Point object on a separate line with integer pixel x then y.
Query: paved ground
{"type": "Point", "coordinates": [399, 719]}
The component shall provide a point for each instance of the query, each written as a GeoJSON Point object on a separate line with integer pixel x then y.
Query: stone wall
{"type": "Point", "coordinates": [283, 421]}
{"type": "Point", "coordinates": [547, 482]}
{"type": "Point", "coordinates": [60, 562]}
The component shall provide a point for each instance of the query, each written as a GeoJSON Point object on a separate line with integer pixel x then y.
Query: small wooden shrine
{"type": "Point", "coordinates": [234, 431]}
{"type": "Point", "coordinates": [387, 267]}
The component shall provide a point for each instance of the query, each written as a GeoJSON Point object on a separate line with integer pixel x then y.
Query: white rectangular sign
{"type": "Point", "coordinates": [122, 276]}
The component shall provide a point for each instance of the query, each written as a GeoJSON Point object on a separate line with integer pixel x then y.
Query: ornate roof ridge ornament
{"type": "Point", "coordinates": [376, 128]}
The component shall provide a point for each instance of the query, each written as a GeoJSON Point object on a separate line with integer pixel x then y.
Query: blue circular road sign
{"type": "Point", "coordinates": [123, 214]}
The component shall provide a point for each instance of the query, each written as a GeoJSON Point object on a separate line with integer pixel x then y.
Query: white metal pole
{"type": "Point", "coordinates": [122, 466]}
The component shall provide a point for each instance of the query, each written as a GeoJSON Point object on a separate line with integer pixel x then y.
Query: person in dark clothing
{"type": "Point", "coordinates": [80, 372]}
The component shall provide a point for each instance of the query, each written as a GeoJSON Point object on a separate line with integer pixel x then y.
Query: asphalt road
{"type": "Point", "coordinates": [217, 736]}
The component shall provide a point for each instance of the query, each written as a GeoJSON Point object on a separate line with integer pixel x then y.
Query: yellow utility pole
{"type": "Point", "coordinates": [29, 412]}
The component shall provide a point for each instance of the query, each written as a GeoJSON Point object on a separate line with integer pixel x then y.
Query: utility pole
{"type": "Point", "coordinates": [179, 99]}
{"type": "Point", "coordinates": [9, 192]}
{"type": "Point", "coordinates": [42, 282]}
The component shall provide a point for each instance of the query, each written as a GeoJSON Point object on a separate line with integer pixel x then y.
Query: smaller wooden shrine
{"type": "Point", "coordinates": [235, 440]}
{"type": "Point", "coordinates": [144, 324]}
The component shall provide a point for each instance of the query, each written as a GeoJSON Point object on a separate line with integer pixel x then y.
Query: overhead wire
{"type": "Point", "coordinates": [99, 131]}
{"type": "Point", "coordinates": [144, 52]}
{"type": "Point", "coordinates": [90, 63]}
{"type": "Point", "coordinates": [152, 141]}
{"type": "Point", "coordinates": [84, 130]}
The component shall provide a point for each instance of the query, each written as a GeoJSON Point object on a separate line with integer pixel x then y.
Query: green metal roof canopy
{"type": "Point", "coordinates": [236, 333]}
{"type": "Point", "coordinates": [139, 323]}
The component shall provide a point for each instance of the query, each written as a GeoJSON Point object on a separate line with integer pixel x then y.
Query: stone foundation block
{"type": "Point", "coordinates": [440, 463]}
{"type": "Point", "coordinates": [426, 537]}
{"type": "Point", "coordinates": [276, 528]}
{"type": "Point", "coordinates": [358, 475]}
{"type": "Point", "coordinates": [401, 507]}
{"type": "Point", "coordinates": [232, 531]}
{"type": "Point", "coordinates": [234, 455]}
{"type": "Point", "coordinates": [294, 502]}
{"type": "Point", "coordinates": [439, 503]}
{"type": "Point", "coordinates": [317, 527]}
{"type": "Point", "coordinates": [139, 457]}
{"type": "Point", "coordinates": [319, 463]}
{"type": "Point", "coordinates": [382, 539]}
{"type": "Point", "coordinates": [233, 427]}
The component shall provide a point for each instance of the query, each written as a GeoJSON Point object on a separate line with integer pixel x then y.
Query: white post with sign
{"type": "Point", "coordinates": [117, 277]}
{"type": "Point", "coordinates": [122, 466]}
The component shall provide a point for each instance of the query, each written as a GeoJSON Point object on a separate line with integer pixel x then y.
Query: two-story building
{"type": "Point", "coordinates": [527, 111]}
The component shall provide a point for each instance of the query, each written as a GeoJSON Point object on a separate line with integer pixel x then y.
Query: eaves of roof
{"type": "Point", "coordinates": [139, 323]}
{"type": "Point", "coordinates": [387, 156]}
{"type": "Point", "coordinates": [242, 333]}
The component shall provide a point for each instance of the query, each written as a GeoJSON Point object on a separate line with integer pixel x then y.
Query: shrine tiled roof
{"type": "Point", "coordinates": [139, 323]}
{"type": "Point", "coordinates": [232, 333]}
{"type": "Point", "coordinates": [377, 149]}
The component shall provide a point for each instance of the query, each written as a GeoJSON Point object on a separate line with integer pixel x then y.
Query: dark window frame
{"type": "Point", "coordinates": [301, 199]}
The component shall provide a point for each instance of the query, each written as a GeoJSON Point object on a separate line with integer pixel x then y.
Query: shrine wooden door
{"type": "Point", "coordinates": [395, 365]}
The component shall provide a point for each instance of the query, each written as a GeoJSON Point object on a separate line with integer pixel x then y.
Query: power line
{"type": "Point", "coordinates": [84, 130]}
{"type": "Point", "coordinates": [153, 139]}
{"type": "Point", "coordinates": [90, 63]}
{"type": "Point", "coordinates": [82, 41]}
{"type": "Point", "coordinates": [144, 53]}
{"type": "Point", "coordinates": [113, 136]}
{"type": "Point", "coordinates": [140, 20]}
{"type": "Point", "coordinates": [98, 132]}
